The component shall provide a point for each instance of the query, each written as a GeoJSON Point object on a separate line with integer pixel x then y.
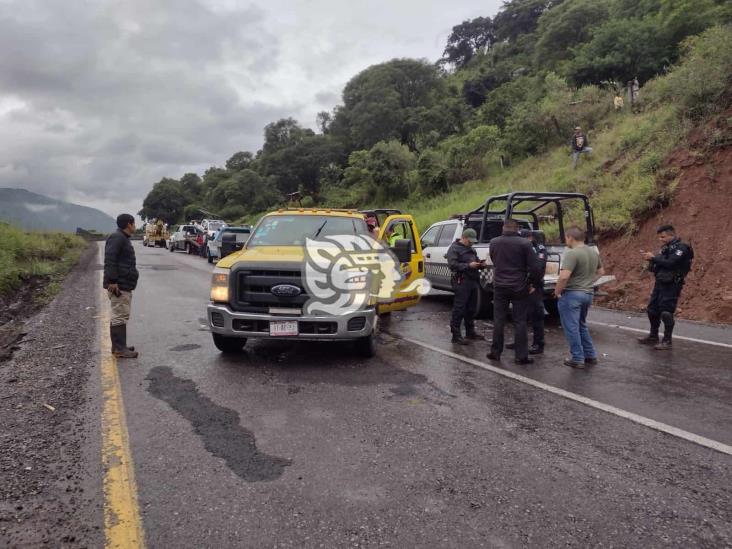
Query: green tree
{"type": "Point", "coordinates": [432, 174]}
{"type": "Point", "coordinates": [165, 201]}
{"type": "Point", "coordinates": [240, 161]}
{"type": "Point", "coordinates": [564, 27]}
{"type": "Point", "coordinates": [286, 132]}
{"type": "Point", "coordinates": [389, 101]}
{"type": "Point", "coordinates": [466, 39]}
{"type": "Point", "coordinates": [517, 17]}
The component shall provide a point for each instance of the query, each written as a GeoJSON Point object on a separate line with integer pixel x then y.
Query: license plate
{"type": "Point", "coordinates": [283, 328]}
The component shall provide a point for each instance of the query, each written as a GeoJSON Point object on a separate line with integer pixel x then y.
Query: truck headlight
{"type": "Point", "coordinates": [220, 286]}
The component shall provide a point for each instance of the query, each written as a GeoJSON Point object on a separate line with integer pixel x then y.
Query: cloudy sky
{"type": "Point", "coordinates": [100, 99]}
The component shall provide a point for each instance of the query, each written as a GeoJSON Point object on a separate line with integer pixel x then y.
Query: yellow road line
{"type": "Point", "coordinates": [122, 523]}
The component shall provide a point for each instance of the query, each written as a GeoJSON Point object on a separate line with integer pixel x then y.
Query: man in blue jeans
{"type": "Point", "coordinates": [581, 266]}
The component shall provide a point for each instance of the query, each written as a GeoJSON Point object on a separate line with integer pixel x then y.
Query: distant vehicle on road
{"type": "Point", "coordinates": [260, 292]}
{"type": "Point", "coordinates": [185, 238]}
{"type": "Point", "coordinates": [214, 248]}
{"type": "Point", "coordinates": [211, 226]}
{"type": "Point", "coordinates": [533, 210]}
{"type": "Point", "coordinates": [156, 234]}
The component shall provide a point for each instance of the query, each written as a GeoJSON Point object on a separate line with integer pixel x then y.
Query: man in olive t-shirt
{"type": "Point", "coordinates": [580, 268]}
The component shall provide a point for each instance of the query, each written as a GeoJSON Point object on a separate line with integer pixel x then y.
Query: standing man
{"type": "Point", "coordinates": [670, 267]}
{"type": "Point", "coordinates": [120, 279]}
{"type": "Point", "coordinates": [581, 266]}
{"type": "Point", "coordinates": [515, 277]}
{"type": "Point", "coordinates": [580, 145]}
{"type": "Point", "coordinates": [464, 264]}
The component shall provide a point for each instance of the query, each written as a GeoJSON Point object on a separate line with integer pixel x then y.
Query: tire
{"type": "Point", "coordinates": [366, 346]}
{"type": "Point", "coordinates": [484, 307]}
{"type": "Point", "coordinates": [171, 248]}
{"type": "Point", "coordinates": [229, 345]}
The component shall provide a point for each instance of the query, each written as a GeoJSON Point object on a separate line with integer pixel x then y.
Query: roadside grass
{"type": "Point", "coordinates": [25, 256]}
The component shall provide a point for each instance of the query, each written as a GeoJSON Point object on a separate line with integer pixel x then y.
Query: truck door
{"type": "Point", "coordinates": [443, 278]}
{"type": "Point", "coordinates": [403, 227]}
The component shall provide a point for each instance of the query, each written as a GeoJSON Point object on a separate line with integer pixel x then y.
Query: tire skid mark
{"type": "Point", "coordinates": [218, 427]}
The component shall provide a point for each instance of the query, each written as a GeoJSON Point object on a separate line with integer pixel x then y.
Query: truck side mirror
{"type": "Point", "coordinates": [403, 250]}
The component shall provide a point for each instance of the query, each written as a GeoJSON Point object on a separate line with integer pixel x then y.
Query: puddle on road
{"type": "Point", "coordinates": [186, 347]}
{"type": "Point", "coordinates": [217, 426]}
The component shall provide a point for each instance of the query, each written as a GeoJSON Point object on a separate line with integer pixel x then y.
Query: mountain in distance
{"type": "Point", "coordinates": [36, 212]}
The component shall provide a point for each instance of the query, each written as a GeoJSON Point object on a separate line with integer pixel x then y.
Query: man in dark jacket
{"type": "Point", "coordinates": [670, 267]}
{"type": "Point", "coordinates": [515, 276]}
{"type": "Point", "coordinates": [120, 279]}
{"type": "Point", "coordinates": [579, 145]}
{"type": "Point", "coordinates": [464, 264]}
{"type": "Point", "coordinates": [536, 298]}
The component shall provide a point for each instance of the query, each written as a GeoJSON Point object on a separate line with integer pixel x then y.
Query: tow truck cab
{"type": "Point", "coordinates": [259, 291]}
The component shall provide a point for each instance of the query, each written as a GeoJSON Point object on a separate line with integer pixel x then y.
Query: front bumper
{"type": "Point", "coordinates": [222, 320]}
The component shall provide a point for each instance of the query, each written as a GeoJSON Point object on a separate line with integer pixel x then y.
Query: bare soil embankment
{"type": "Point", "coordinates": [701, 211]}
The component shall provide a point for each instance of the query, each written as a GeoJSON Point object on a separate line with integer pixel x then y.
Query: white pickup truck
{"type": "Point", "coordinates": [531, 210]}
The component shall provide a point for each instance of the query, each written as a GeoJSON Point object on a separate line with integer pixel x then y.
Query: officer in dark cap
{"type": "Point", "coordinates": [670, 268]}
{"type": "Point", "coordinates": [536, 298]}
{"type": "Point", "coordinates": [465, 266]}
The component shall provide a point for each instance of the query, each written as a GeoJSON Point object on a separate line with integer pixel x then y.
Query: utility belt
{"type": "Point", "coordinates": [670, 277]}
{"type": "Point", "coordinates": [457, 279]}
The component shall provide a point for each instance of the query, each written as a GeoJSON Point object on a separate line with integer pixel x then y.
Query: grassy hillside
{"type": "Point", "coordinates": [26, 256]}
{"type": "Point", "coordinates": [625, 175]}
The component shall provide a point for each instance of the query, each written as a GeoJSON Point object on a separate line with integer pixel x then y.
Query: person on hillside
{"type": "Point", "coordinates": [536, 298]}
{"type": "Point", "coordinates": [120, 280]}
{"type": "Point", "coordinates": [580, 145]}
{"type": "Point", "coordinates": [581, 266]}
{"type": "Point", "coordinates": [462, 259]}
{"type": "Point", "coordinates": [515, 276]}
{"type": "Point", "coordinates": [618, 102]}
{"type": "Point", "coordinates": [670, 268]}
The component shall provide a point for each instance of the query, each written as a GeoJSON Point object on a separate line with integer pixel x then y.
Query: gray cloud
{"type": "Point", "coordinates": [100, 99]}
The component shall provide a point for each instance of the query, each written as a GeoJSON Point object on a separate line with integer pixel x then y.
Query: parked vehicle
{"type": "Point", "coordinates": [259, 292]}
{"type": "Point", "coordinates": [185, 238]}
{"type": "Point", "coordinates": [156, 234]}
{"type": "Point", "coordinates": [214, 248]}
{"type": "Point", "coordinates": [532, 210]}
{"type": "Point", "coordinates": [211, 226]}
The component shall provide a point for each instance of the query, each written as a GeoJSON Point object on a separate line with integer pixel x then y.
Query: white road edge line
{"type": "Point", "coordinates": [640, 331]}
{"type": "Point", "coordinates": [641, 420]}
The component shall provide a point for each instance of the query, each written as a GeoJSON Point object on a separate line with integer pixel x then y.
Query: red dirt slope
{"type": "Point", "coordinates": [701, 211]}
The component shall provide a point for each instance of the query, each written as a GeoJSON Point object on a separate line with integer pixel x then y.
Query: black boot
{"type": "Point", "coordinates": [668, 326]}
{"type": "Point", "coordinates": [458, 339]}
{"type": "Point", "coordinates": [119, 342]}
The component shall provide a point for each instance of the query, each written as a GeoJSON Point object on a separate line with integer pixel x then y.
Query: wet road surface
{"type": "Point", "coordinates": [306, 445]}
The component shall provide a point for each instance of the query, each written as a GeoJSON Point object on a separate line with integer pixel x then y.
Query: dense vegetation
{"type": "Point", "coordinates": [496, 112]}
{"type": "Point", "coordinates": [36, 255]}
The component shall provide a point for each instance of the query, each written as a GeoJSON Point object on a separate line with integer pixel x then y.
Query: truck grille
{"type": "Point", "coordinates": [253, 292]}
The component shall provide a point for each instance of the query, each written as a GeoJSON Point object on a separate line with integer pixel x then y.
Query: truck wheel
{"type": "Point", "coordinates": [366, 346]}
{"type": "Point", "coordinates": [171, 248]}
{"type": "Point", "coordinates": [484, 307]}
{"type": "Point", "coordinates": [229, 345]}
{"type": "Point", "coordinates": [552, 307]}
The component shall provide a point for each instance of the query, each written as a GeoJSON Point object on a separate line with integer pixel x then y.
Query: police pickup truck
{"type": "Point", "coordinates": [532, 210]}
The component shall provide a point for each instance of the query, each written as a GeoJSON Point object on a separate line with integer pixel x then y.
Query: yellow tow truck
{"type": "Point", "coordinates": [316, 274]}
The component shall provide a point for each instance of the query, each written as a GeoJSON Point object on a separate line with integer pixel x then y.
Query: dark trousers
{"type": "Point", "coordinates": [464, 306]}
{"type": "Point", "coordinates": [502, 297]}
{"type": "Point", "coordinates": [662, 306]}
{"type": "Point", "coordinates": [536, 315]}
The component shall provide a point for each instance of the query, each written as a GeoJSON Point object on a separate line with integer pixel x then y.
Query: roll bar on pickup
{"type": "Point", "coordinates": [524, 203]}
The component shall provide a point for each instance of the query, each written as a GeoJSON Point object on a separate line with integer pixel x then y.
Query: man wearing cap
{"type": "Point", "coordinates": [120, 279]}
{"type": "Point", "coordinates": [579, 145]}
{"type": "Point", "coordinates": [465, 265]}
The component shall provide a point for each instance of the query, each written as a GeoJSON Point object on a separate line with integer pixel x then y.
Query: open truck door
{"type": "Point", "coordinates": [399, 232]}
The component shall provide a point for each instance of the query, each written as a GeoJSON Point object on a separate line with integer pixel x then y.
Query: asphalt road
{"type": "Point", "coordinates": [306, 445]}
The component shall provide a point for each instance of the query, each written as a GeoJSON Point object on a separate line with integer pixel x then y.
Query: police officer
{"type": "Point", "coordinates": [536, 298]}
{"type": "Point", "coordinates": [670, 268]}
{"type": "Point", "coordinates": [464, 264]}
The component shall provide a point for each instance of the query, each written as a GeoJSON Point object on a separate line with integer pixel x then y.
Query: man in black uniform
{"type": "Point", "coordinates": [464, 264]}
{"type": "Point", "coordinates": [515, 277]}
{"type": "Point", "coordinates": [536, 298]}
{"type": "Point", "coordinates": [670, 267]}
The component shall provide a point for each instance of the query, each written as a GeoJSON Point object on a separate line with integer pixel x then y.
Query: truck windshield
{"type": "Point", "coordinates": [215, 225]}
{"type": "Point", "coordinates": [292, 230]}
